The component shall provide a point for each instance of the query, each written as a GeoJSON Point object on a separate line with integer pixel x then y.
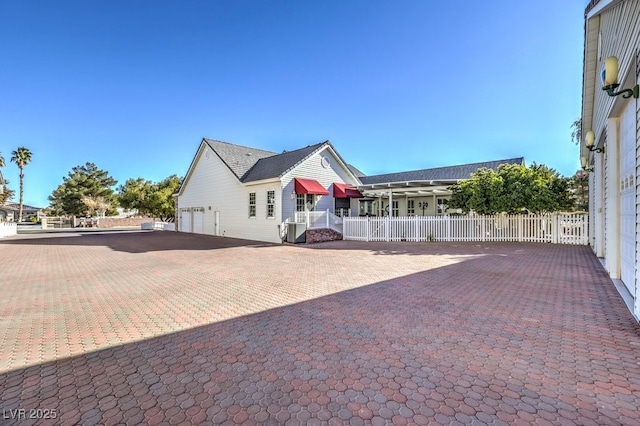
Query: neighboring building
{"type": "Point", "coordinates": [612, 28]}
{"type": "Point", "coordinates": [9, 212]}
{"type": "Point", "coordinates": [419, 192]}
{"type": "Point", "coordinates": [237, 191]}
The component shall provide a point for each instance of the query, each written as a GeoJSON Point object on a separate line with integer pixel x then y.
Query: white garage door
{"type": "Point", "coordinates": [628, 196]}
{"type": "Point", "coordinates": [198, 220]}
{"type": "Point", "coordinates": [185, 221]}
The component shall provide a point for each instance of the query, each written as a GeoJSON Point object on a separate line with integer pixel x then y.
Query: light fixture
{"type": "Point", "coordinates": [423, 205]}
{"type": "Point", "coordinates": [585, 164]}
{"type": "Point", "coordinates": [590, 142]}
{"type": "Point", "coordinates": [610, 80]}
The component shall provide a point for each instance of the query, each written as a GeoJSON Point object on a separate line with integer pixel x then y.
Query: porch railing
{"type": "Point", "coordinates": [320, 219]}
{"type": "Point", "coordinates": [552, 228]}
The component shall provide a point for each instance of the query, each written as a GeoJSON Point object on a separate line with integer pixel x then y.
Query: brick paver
{"type": "Point", "coordinates": [166, 328]}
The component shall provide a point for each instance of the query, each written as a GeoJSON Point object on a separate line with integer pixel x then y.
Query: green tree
{"type": "Point", "coordinates": [4, 191]}
{"type": "Point", "coordinates": [134, 194]}
{"type": "Point", "coordinates": [579, 187]}
{"type": "Point", "coordinates": [82, 183]}
{"type": "Point", "coordinates": [512, 189]}
{"type": "Point", "coordinates": [6, 194]}
{"type": "Point", "coordinates": [22, 157]}
{"type": "Point", "coordinates": [576, 132]}
{"type": "Point", "coordinates": [153, 199]}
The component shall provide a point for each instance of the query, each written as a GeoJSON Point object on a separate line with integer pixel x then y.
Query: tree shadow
{"type": "Point", "coordinates": [134, 241]}
{"type": "Point", "coordinates": [485, 334]}
{"type": "Point", "coordinates": [414, 248]}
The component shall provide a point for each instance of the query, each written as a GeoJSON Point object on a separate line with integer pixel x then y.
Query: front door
{"type": "Point", "coordinates": [185, 220]}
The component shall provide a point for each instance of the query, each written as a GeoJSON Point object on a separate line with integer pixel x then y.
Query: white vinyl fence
{"type": "Point", "coordinates": [8, 229]}
{"type": "Point", "coordinates": [552, 228]}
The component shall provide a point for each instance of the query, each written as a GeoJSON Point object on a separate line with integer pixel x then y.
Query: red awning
{"type": "Point", "coordinates": [344, 190]}
{"type": "Point", "coordinates": [309, 186]}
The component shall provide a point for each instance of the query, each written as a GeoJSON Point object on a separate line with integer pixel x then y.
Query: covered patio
{"type": "Point", "coordinates": [408, 198]}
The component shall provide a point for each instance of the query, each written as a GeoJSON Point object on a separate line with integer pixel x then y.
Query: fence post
{"type": "Point", "coordinates": [368, 226]}
{"type": "Point", "coordinates": [387, 229]}
{"type": "Point", "coordinates": [555, 233]}
{"type": "Point", "coordinates": [327, 218]}
{"type": "Point", "coordinates": [520, 227]}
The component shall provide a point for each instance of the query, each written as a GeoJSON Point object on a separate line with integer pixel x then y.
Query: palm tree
{"type": "Point", "coordinates": [22, 157]}
{"type": "Point", "coordinates": [1, 178]}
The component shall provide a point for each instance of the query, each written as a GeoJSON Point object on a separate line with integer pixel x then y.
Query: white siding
{"type": "Point", "coordinates": [620, 29]}
{"type": "Point", "coordinates": [214, 187]}
{"type": "Point", "coordinates": [312, 169]}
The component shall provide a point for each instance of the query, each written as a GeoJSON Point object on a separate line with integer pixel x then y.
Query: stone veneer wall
{"type": "Point", "coordinates": [320, 235]}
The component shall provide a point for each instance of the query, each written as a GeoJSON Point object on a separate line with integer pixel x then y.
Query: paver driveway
{"type": "Point", "coordinates": [153, 327]}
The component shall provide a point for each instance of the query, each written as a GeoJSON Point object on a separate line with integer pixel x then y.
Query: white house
{"type": "Point", "coordinates": [242, 192]}
{"type": "Point", "coordinates": [237, 191]}
{"type": "Point", "coordinates": [611, 129]}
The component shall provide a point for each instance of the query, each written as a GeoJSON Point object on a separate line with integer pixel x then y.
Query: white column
{"type": "Point", "coordinates": [612, 203]}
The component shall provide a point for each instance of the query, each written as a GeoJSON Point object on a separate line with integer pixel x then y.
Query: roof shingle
{"type": "Point", "coordinates": [460, 172]}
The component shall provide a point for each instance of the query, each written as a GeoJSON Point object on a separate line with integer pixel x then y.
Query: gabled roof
{"type": "Point", "coordinates": [355, 171]}
{"type": "Point", "coordinates": [238, 158]}
{"type": "Point", "coordinates": [450, 173]}
{"type": "Point", "coordinates": [276, 165]}
{"type": "Point", "coordinates": [251, 164]}
{"type": "Point", "coordinates": [16, 207]}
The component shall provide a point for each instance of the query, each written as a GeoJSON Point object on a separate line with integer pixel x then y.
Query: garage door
{"type": "Point", "coordinates": [198, 220]}
{"type": "Point", "coordinates": [628, 197]}
{"type": "Point", "coordinates": [185, 220]}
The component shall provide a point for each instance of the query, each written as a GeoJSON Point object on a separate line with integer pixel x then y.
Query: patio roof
{"type": "Point", "coordinates": [414, 188]}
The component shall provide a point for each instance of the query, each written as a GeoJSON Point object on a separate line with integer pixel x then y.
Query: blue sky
{"type": "Point", "coordinates": [402, 85]}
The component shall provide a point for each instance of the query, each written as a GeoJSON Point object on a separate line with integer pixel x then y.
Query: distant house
{"type": "Point", "coordinates": [238, 191]}
{"type": "Point", "coordinates": [611, 123]}
{"type": "Point", "coordinates": [9, 212]}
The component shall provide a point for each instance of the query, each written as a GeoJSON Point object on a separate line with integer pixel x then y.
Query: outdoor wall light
{"type": "Point", "coordinates": [610, 80]}
{"type": "Point", "coordinates": [590, 143]}
{"type": "Point", "coordinates": [585, 164]}
{"type": "Point", "coordinates": [423, 205]}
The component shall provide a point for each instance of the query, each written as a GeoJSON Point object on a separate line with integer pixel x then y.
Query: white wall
{"type": "Point", "coordinates": [311, 168]}
{"type": "Point", "coordinates": [619, 31]}
{"type": "Point", "coordinates": [214, 187]}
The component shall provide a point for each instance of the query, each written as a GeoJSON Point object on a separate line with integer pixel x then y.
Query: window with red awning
{"type": "Point", "coordinates": [309, 186]}
{"type": "Point", "coordinates": [344, 190]}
